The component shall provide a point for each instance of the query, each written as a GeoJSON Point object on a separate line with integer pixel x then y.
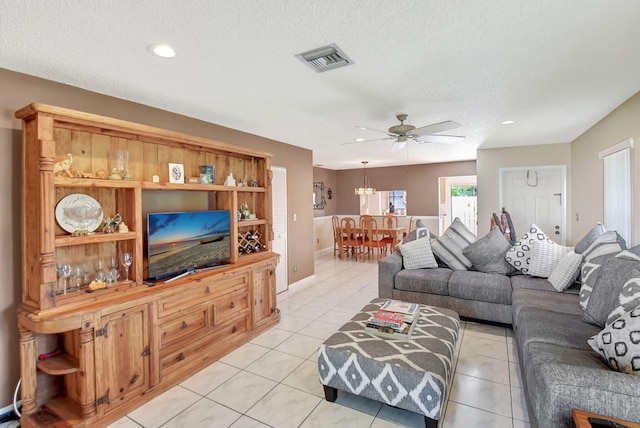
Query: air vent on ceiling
{"type": "Point", "coordinates": [325, 58]}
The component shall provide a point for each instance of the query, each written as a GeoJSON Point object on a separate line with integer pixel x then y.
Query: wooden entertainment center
{"type": "Point", "coordinates": [118, 347]}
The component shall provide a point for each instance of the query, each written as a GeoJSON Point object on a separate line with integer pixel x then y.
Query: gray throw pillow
{"type": "Point", "coordinates": [606, 245]}
{"type": "Point", "coordinates": [629, 296]}
{"type": "Point", "coordinates": [418, 232]}
{"type": "Point", "coordinates": [615, 273]}
{"type": "Point", "coordinates": [619, 343]}
{"type": "Point", "coordinates": [566, 272]}
{"type": "Point", "coordinates": [591, 236]}
{"type": "Point", "coordinates": [450, 245]}
{"type": "Point", "coordinates": [545, 257]}
{"type": "Point", "coordinates": [487, 253]}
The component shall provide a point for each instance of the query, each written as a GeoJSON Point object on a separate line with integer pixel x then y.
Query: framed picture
{"type": "Point", "coordinates": [176, 173]}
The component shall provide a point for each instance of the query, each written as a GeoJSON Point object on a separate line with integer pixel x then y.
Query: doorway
{"type": "Point", "coordinates": [537, 195]}
{"type": "Point", "coordinates": [279, 208]}
{"type": "Point", "coordinates": [458, 198]}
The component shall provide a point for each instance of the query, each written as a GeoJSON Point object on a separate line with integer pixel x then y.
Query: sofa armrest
{"type": "Point", "coordinates": [388, 267]}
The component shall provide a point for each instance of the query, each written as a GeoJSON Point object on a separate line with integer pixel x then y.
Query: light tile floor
{"type": "Point", "coordinates": [273, 380]}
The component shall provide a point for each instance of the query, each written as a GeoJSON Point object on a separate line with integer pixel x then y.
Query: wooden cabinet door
{"type": "Point", "coordinates": [122, 357]}
{"type": "Point", "coordinates": [264, 296]}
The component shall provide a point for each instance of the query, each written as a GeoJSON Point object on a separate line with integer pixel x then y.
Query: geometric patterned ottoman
{"type": "Point", "coordinates": [413, 375]}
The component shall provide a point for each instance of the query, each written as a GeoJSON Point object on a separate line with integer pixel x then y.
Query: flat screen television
{"type": "Point", "coordinates": [183, 242]}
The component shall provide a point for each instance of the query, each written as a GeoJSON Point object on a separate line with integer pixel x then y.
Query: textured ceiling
{"type": "Point", "coordinates": [555, 67]}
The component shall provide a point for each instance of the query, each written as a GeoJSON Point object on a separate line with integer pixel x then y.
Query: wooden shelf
{"type": "Point", "coordinates": [59, 365]}
{"type": "Point", "coordinates": [252, 223]}
{"type": "Point", "coordinates": [69, 240]}
{"type": "Point", "coordinates": [95, 182]}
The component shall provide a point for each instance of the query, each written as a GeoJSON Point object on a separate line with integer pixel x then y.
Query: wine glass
{"type": "Point", "coordinates": [66, 270]}
{"type": "Point", "coordinates": [127, 261]}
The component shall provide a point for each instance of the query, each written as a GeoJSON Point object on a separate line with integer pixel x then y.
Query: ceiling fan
{"type": "Point", "coordinates": [425, 134]}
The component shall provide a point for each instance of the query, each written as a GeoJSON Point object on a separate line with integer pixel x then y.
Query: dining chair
{"type": "Point", "coordinates": [389, 221]}
{"type": "Point", "coordinates": [337, 238]}
{"type": "Point", "coordinates": [371, 239]}
{"type": "Point", "coordinates": [411, 226]}
{"type": "Point", "coordinates": [351, 239]}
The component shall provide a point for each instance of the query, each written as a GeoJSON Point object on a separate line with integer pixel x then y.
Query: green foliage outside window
{"type": "Point", "coordinates": [464, 190]}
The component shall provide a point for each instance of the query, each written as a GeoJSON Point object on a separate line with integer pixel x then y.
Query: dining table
{"type": "Point", "coordinates": [395, 232]}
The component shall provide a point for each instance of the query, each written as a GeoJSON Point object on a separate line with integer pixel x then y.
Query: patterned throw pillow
{"type": "Point", "coordinates": [545, 257]}
{"type": "Point", "coordinates": [417, 254]}
{"type": "Point", "coordinates": [450, 245]}
{"type": "Point", "coordinates": [605, 246]}
{"type": "Point", "coordinates": [619, 343]}
{"type": "Point", "coordinates": [519, 256]}
{"type": "Point", "coordinates": [566, 271]}
{"type": "Point", "coordinates": [487, 253]}
{"type": "Point", "coordinates": [630, 294]}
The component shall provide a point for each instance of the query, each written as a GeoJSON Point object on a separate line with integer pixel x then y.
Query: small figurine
{"type": "Point", "coordinates": [254, 183]}
{"type": "Point", "coordinates": [155, 179]}
{"type": "Point", "coordinates": [245, 210]}
{"type": "Point", "coordinates": [230, 181]}
{"type": "Point", "coordinates": [115, 175]}
{"type": "Point", "coordinates": [64, 166]}
{"type": "Point", "coordinates": [123, 228]}
{"type": "Point", "coordinates": [101, 174]}
{"type": "Point", "coordinates": [127, 176]}
{"type": "Point", "coordinates": [111, 224]}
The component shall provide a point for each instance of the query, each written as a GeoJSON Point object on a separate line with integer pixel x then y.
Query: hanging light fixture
{"type": "Point", "coordinates": [366, 189]}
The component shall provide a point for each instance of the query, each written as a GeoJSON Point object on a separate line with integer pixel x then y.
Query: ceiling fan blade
{"type": "Point", "coordinates": [365, 141]}
{"type": "Point", "coordinates": [364, 128]}
{"type": "Point", "coordinates": [435, 128]}
{"type": "Point", "coordinates": [433, 138]}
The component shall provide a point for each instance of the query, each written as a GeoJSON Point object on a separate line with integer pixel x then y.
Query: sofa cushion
{"type": "Point", "coordinates": [559, 379]}
{"type": "Point", "coordinates": [591, 236]}
{"type": "Point", "coordinates": [432, 281]}
{"type": "Point", "coordinates": [519, 256]}
{"type": "Point", "coordinates": [566, 272]}
{"type": "Point", "coordinates": [450, 245]}
{"type": "Point", "coordinates": [550, 301]}
{"type": "Point", "coordinates": [541, 325]}
{"type": "Point", "coordinates": [485, 287]}
{"type": "Point", "coordinates": [619, 343]}
{"type": "Point", "coordinates": [531, 283]}
{"type": "Point", "coordinates": [417, 254]}
{"type": "Point", "coordinates": [629, 296]}
{"type": "Point", "coordinates": [615, 273]}
{"type": "Point", "coordinates": [545, 257]}
{"type": "Point", "coordinates": [487, 253]}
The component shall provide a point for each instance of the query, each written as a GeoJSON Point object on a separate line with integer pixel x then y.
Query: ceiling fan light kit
{"type": "Point", "coordinates": [366, 188]}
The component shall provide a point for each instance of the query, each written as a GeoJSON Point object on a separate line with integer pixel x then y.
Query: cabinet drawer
{"type": "Point", "coordinates": [204, 289]}
{"type": "Point", "coordinates": [229, 306]}
{"type": "Point", "coordinates": [189, 323]}
{"type": "Point", "coordinates": [209, 347]}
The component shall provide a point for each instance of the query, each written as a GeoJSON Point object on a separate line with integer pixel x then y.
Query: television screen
{"type": "Point", "coordinates": [178, 242]}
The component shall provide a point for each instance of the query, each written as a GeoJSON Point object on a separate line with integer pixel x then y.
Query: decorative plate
{"type": "Point", "coordinates": [70, 222]}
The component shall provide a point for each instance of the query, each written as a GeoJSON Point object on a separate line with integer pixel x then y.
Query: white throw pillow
{"type": "Point", "coordinates": [619, 343]}
{"type": "Point", "coordinates": [545, 257]}
{"type": "Point", "coordinates": [566, 272]}
{"type": "Point", "coordinates": [519, 256]}
{"type": "Point", "coordinates": [417, 254]}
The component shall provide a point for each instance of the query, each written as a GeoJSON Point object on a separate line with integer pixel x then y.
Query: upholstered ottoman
{"type": "Point", "coordinates": [412, 375]}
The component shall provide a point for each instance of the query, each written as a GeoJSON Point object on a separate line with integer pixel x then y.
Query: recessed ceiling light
{"type": "Point", "coordinates": [362, 127]}
{"type": "Point", "coordinates": [359, 139]}
{"type": "Point", "coordinates": [507, 122]}
{"type": "Point", "coordinates": [163, 50]}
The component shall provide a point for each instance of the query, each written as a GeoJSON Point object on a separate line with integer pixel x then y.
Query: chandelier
{"type": "Point", "coordinates": [366, 189]}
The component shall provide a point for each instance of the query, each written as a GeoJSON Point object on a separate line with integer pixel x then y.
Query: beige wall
{"type": "Point", "coordinates": [328, 177]}
{"type": "Point", "coordinates": [420, 182]}
{"type": "Point", "coordinates": [622, 123]}
{"type": "Point", "coordinates": [491, 160]}
{"type": "Point", "coordinates": [19, 90]}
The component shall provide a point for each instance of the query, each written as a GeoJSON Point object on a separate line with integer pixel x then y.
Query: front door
{"type": "Point", "coordinates": [535, 195]}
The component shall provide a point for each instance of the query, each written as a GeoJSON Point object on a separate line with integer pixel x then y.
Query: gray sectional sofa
{"type": "Point", "coordinates": [560, 371]}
